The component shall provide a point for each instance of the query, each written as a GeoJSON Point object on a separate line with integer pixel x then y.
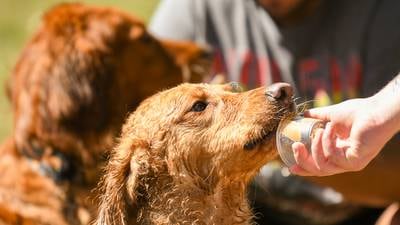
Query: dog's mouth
{"type": "Point", "coordinates": [268, 132]}
{"type": "Point", "coordinates": [266, 136]}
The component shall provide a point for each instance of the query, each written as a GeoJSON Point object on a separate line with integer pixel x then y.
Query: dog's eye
{"type": "Point", "coordinates": [199, 106]}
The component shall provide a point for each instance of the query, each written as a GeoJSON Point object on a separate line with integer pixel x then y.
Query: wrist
{"type": "Point", "coordinates": [385, 108]}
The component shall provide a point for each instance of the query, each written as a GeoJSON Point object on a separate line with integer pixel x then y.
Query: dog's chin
{"type": "Point", "coordinates": [267, 136]}
{"type": "Point", "coordinates": [268, 133]}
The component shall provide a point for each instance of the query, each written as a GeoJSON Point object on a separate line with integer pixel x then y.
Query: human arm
{"type": "Point", "coordinates": [355, 133]}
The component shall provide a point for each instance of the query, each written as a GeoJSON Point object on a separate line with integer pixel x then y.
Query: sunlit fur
{"type": "Point", "coordinates": [177, 166]}
{"type": "Point", "coordinates": [73, 85]}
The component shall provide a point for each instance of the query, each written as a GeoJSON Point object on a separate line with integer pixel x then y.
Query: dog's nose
{"type": "Point", "coordinates": [281, 92]}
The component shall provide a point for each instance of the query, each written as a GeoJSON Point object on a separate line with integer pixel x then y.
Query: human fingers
{"type": "Point", "coordinates": [334, 153]}
{"type": "Point", "coordinates": [298, 170]}
{"type": "Point", "coordinates": [314, 163]}
{"type": "Point", "coordinates": [316, 149]}
{"type": "Point", "coordinates": [317, 152]}
{"type": "Point", "coordinates": [304, 159]}
{"type": "Point", "coordinates": [322, 113]}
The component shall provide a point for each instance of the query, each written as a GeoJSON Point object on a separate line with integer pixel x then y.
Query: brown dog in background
{"type": "Point", "coordinates": [72, 87]}
{"type": "Point", "coordinates": [187, 154]}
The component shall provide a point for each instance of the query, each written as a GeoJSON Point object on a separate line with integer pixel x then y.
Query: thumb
{"type": "Point", "coordinates": [322, 113]}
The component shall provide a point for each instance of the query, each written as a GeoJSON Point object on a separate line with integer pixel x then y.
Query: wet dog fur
{"type": "Point", "coordinates": [186, 156]}
{"type": "Point", "coordinates": [78, 77]}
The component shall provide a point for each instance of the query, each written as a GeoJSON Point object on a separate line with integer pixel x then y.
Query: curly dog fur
{"type": "Point", "coordinates": [184, 157]}
{"type": "Point", "coordinates": [71, 89]}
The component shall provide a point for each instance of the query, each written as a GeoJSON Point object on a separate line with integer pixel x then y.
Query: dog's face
{"type": "Point", "coordinates": [209, 130]}
{"type": "Point", "coordinates": [197, 135]}
{"type": "Point", "coordinates": [209, 127]}
{"type": "Point", "coordinates": [84, 70]}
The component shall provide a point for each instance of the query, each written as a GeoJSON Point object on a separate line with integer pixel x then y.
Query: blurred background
{"type": "Point", "coordinates": [20, 18]}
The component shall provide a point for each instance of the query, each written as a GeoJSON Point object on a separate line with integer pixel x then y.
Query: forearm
{"type": "Point", "coordinates": [387, 103]}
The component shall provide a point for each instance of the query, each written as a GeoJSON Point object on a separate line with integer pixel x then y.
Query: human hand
{"type": "Point", "coordinates": [355, 133]}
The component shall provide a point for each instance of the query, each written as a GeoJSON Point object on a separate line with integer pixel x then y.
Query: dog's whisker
{"type": "Point", "coordinates": [295, 98]}
{"type": "Point", "coordinates": [306, 102]}
{"type": "Point", "coordinates": [302, 107]}
{"type": "Point", "coordinates": [211, 152]}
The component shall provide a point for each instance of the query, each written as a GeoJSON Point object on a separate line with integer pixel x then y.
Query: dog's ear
{"type": "Point", "coordinates": [120, 188]}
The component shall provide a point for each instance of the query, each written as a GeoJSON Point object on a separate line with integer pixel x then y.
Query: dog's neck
{"type": "Point", "coordinates": [186, 204]}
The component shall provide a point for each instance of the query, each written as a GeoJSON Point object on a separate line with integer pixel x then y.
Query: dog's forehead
{"type": "Point", "coordinates": [185, 90]}
{"type": "Point", "coordinates": [187, 93]}
{"type": "Point", "coordinates": [204, 89]}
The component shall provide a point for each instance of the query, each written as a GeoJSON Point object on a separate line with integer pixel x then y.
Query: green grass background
{"type": "Point", "coordinates": [20, 18]}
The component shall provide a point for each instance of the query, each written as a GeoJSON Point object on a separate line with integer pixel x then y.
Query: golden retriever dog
{"type": "Point", "coordinates": [187, 154]}
{"type": "Point", "coordinates": [75, 82]}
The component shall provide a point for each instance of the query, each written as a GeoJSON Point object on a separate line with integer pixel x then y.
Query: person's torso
{"type": "Point", "coordinates": [324, 56]}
